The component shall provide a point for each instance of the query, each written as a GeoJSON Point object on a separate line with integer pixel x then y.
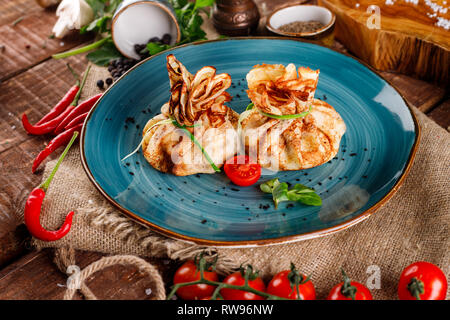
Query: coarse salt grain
{"type": "Point", "coordinates": [357, 5]}
{"type": "Point", "coordinates": [443, 23]}
{"type": "Point", "coordinates": [148, 291]}
{"type": "Point", "coordinates": [389, 2]}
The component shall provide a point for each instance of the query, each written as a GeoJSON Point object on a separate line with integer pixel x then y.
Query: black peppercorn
{"type": "Point", "coordinates": [154, 39]}
{"type": "Point", "coordinates": [100, 84]}
{"type": "Point", "coordinates": [109, 81]}
{"type": "Point", "coordinates": [166, 38]}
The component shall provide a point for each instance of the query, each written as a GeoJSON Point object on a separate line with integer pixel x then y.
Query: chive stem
{"type": "Point", "coordinates": [76, 51]}
{"type": "Point", "coordinates": [198, 144]}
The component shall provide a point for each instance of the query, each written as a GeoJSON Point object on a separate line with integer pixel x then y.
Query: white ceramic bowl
{"type": "Point", "coordinates": [300, 13]}
{"type": "Point", "coordinates": [137, 21]}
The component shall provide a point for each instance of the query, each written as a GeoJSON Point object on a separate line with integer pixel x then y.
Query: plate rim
{"type": "Point", "coordinates": [258, 242]}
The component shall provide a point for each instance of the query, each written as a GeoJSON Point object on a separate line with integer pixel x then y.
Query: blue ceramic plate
{"type": "Point", "coordinates": [375, 154]}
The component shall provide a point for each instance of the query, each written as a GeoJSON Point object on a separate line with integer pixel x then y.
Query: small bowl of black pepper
{"type": "Point", "coordinates": [310, 22]}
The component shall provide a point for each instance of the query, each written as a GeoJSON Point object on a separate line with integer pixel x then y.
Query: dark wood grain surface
{"type": "Point", "coordinates": [31, 82]}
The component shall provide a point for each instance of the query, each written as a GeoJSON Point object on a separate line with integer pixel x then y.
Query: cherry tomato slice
{"type": "Point", "coordinates": [242, 170]}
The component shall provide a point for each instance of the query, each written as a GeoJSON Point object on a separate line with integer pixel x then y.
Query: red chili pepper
{"type": "Point", "coordinates": [51, 125]}
{"type": "Point", "coordinates": [34, 204]}
{"type": "Point", "coordinates": [83, 107]}
{"type": "Point", "coordinates": [77, 120]}
{"type": "Point", "coordinates": [61, 105]}
{"type": "Point", "coordinates": [54, 144]}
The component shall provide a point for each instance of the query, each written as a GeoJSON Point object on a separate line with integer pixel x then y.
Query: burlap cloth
{"type": "Point", "coordinates": [413, 225]}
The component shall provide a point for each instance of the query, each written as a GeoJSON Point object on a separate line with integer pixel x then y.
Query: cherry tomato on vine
{"type": "Point", "coordinates": [238, 279]}
{"type": "Point", "coordinates": [188, 272]}
{"type": "Point", "coordinates": [290, 284]}
{"type": "Point", "coordinates": [349, 290]}
{"type": "Point", "coordinates": [422, 281]}
{"type": "Point", "coordinates": [242, 170]}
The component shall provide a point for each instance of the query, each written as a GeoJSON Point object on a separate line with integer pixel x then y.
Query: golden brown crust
{"type": "Point", "coordinates": [297, 143]}
{"type": "Point", "coordinates": [196, 100]}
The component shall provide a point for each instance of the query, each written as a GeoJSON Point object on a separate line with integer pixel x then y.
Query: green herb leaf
{"type": "Point", "coordinates": [98, 25]}
{"type": "Point", "coordinates": [299, 193]}
{"type": "Point", "coordinates": [280, 193]}
{"type": "Point", "coordinates": [203, 3]}
{"type": "Point", "coordinates": [154, 48]}
{"type": "Point", "coordinates": [304, 195]}
{"type": "Point", "coordinates": [250, 106]}
{"type": "Point", "coordinates": [104, 54]}
{"type": "Point", "coordinates": [268, 186]}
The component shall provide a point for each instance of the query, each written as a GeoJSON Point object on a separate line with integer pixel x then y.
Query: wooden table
{"type": "Point", "coordinates": [31, 82]}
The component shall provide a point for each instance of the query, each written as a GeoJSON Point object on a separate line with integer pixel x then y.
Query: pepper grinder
{"type": "Point", "coordinates": [235, 17]}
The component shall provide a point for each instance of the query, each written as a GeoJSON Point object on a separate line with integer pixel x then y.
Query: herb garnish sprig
{"type": "Point", "coordinates": [280, 192]}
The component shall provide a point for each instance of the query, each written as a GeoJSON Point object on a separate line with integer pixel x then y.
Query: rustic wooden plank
{"type": "Point", "coordinates": [34, 92]}
{"type": "Point", "coordinates": [35, 276]}
{"type": "Point", "coordinates": [421, 94]}
{"type": "Point", "coordinates": [10, 11]}
{"type": "Point", "coordinates": [27, 43]}
{"type": "Point", "coordinates": [441, 114]}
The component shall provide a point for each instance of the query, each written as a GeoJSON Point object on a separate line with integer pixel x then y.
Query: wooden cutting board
{"type": "Point", "coordinates": [412, 38]}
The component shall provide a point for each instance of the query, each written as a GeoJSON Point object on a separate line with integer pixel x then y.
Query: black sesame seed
{"type": "Point", "coordinates": [235, 189]}
{"type": "Point", "coordinates": [319, 183]}
{"type": "Point", "coordinates": [204, 221]}
{"type": "Point", "coordinates": [364, 177]}
{"type": "Point", "coordinates": [352, 154]}
{"type": "Point", "coordinates": [170, 189]}
{"type": "Point", "coordinates": [290, 205]}
{"type": "Point", "coordinates": [132, 173]}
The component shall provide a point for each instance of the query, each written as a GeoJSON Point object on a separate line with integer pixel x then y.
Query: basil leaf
{"type": "Point", "coordinates": [268, 186]}
{"type": "Point", "coordinates": [305, 195]}
{"type": "Point", "coordinates": [280, 193]}
{"type": "Point", "coordinates": [311, 199]}
{"type": "Point", "coordinates": [300, 193]}
{"type": "Point", "coordinates": [104, 54]}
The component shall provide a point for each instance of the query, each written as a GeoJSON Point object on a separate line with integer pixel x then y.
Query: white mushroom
{"type": "Point", "coordinates": [72, 14]}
